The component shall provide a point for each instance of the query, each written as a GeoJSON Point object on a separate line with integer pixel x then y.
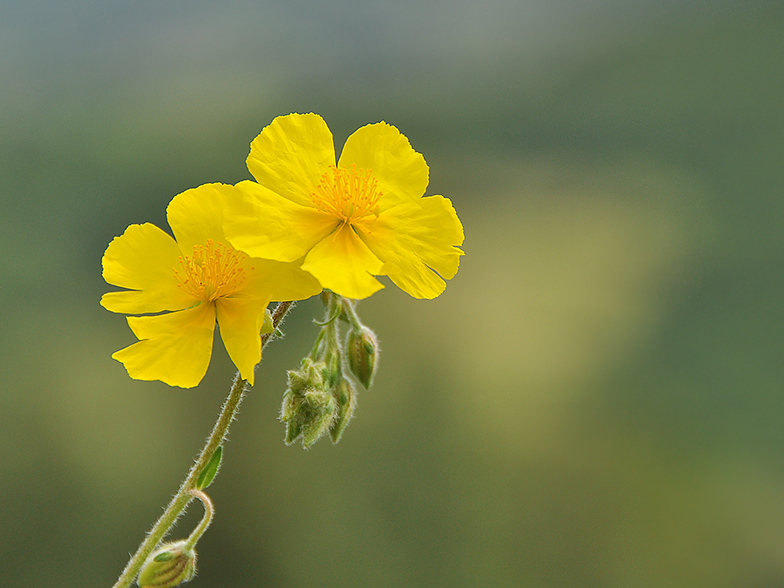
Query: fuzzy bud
{"type": "Point", "coordinates": [308, 407]}
{"type": "Point", "coordinates": [169, 565]}
{"type": "Point", "coordinates": [333, 371]}
{"type": "Point", "coordinates": [310, 375]}
{"type": "Point", "coordinates": [362, 352]}
{"type": "Point", "coordinates": [346, 397]}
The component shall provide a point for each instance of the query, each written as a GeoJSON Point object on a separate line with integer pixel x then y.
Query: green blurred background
{"type": "Point", "coordinates": [596, 399]}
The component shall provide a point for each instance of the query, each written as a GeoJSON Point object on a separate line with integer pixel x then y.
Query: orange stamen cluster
{"type": "Point", "coordinates": [349, 194]}
{"type": "Point", "coordinates": [214, 271]}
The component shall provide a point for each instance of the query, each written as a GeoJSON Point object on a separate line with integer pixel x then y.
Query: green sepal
{"type": "Point", "coordinates": [268, 326]}
{"type": "Point", "coordinates": [209, 471]}
{"type": "Point", "coordinates": [164, 556]}
{"type": "Point", "coordinates": [293, 431]}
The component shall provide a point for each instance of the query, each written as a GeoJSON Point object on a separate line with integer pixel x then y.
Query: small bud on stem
{"type": "Point", "coordinates": [346, 398]}
{"type": "Point", "coordinates": [362, 349]}
{"type": "Point", "coordinates": [173, 563]}
{"type": "Point", "coordinates": [168, 566]}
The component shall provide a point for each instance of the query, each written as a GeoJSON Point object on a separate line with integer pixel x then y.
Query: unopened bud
{"type": "Point", "coordinates": [346, 397]}
{"type": "Point", "coordinates": [310, 375]}
{"type": "Point", "coordinates": [333, 370]}
{"type": "Point", "coordinates": [308, 407]}
{"type": "Point", "coordinates": [293, 428]}
{"type": "Point", "coordinates": [362, 351]}
{"type": "Point", "coordinates": [169, 565]}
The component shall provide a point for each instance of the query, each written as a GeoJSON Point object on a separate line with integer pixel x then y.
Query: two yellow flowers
{"type": "Point", "coordinates": [306, 223]}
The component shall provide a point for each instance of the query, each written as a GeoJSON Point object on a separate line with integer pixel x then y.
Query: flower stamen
{"type": "Point", "coordinates": [214, 271]}
{"type": "Point", "coordinates": [348, 194]}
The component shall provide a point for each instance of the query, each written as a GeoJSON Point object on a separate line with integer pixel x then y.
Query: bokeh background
{"type": "Point", "coordinates": [595, 401]}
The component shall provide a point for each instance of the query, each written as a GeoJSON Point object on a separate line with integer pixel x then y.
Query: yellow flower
{"type": "Point", "coordinates": [360, 218]}
{"type": "Point", "coordinates": [199, 278]}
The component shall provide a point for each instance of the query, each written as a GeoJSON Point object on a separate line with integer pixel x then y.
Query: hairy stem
{"type": "Point", "coordinates": [183, 497]}
{"type": "Point", "coordinates": [209, 513]}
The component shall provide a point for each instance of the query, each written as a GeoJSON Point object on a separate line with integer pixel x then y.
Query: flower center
{"type": "Point", "coordinates": [349, 194]}
{"type": "Point", "coordinates": [214, 271]}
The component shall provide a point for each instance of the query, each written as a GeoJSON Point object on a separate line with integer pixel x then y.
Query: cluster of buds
{"type": "Point", "coordinates": [321, 395]}
{"type": "Point", "coordinates": [308, 406]}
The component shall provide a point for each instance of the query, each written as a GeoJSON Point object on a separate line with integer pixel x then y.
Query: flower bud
{"type": "Point", "coordinates": [362, 351]}
{"type": "Point", "coordinates": [310, 375]}
{"type": "Point", "coordinates": [308, 407]}
{"type": "Point", "coordinates": [169, 565]}
{"type": "Point", "coordinates": [333, 370]}
{"type": "Point", "coordinates": [293, 429]}
{"type": "Point", "coordinates": [346, 397]}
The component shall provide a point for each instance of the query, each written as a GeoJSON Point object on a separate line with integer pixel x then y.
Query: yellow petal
{"type": "Point", "coordinates": [266, 225]}
{"type": "Point", "coordinates": [291, 154]}
{"type": "Point", "coordinates": [196, 215]}
{"type": "Point", "coordinates": [174, 348]}
{"type": "Point", "coordinates": [240, 320]}
{"type": "Point", "coordinates": [412, 276]}
{"type": "Point", "coordinates": [143, 259]}
{"type": "Point", "coordinates": [276, 280]}
{"type": "Point", "coordinates": [344, 264]}
{"type": "Point", "coordinates": [414, 237]}
{"type": "Point", "coordinates": [401, 172]}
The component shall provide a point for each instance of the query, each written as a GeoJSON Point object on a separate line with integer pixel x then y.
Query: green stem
{"type": "Point", "coordinates": [209, 513]}
{"type": "Point", "coordinates": [184, 496]}
{"type": "Point", "coordinates": [333, 310]}
{"type": "Point", "coordinates": [351, 313]}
